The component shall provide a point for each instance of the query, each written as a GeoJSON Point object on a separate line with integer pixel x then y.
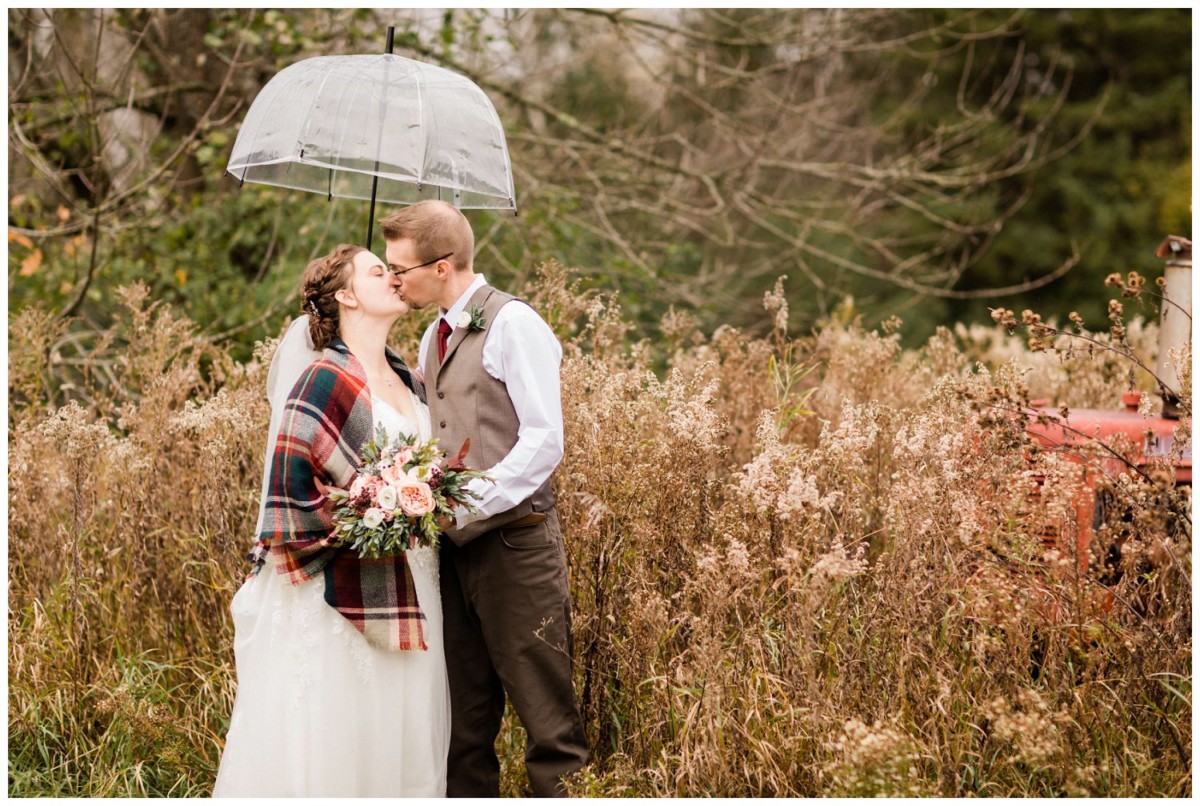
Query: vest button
{"type": "Point", "coordinates": [441, 395]}
{"type": "Point", "coordinates": [442, 424]}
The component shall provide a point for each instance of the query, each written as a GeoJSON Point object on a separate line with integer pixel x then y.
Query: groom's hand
{"type": "Point", "coordinates": [445, 523]}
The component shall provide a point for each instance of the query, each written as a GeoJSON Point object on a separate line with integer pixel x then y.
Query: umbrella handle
{"type": "Point", "coordinates": [371, 215]}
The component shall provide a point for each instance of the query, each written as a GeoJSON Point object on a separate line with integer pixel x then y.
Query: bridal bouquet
{"type": "Point", "coordinates": [400, 492]}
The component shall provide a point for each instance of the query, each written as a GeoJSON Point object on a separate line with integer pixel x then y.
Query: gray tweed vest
{"type": "Point", "coordinates": [465, 401]}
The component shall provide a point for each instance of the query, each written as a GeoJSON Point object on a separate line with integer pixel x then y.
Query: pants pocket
{"type": "Point", "coordinates": [528, 538]}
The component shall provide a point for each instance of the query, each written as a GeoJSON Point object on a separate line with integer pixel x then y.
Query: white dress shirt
{"type": "Point", "coordinates": [521, 351]}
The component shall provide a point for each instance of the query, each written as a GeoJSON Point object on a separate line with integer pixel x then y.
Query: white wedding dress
{"type": "Point", "coordinates": [319, 711]}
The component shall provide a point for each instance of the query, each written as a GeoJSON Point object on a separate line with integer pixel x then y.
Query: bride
{"type": "Point", "coordinates": [340, 665]}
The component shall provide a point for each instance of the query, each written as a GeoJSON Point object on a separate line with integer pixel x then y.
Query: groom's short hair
{"type": "Point", "coordinates": [436, 228]}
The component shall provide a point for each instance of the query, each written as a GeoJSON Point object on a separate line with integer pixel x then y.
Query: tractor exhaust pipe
{"type": "Point", "coordinates": [1175, 325]}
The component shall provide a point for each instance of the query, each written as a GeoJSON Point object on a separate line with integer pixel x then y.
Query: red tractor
{"type": "Point", "coordinates": [1107, 444]}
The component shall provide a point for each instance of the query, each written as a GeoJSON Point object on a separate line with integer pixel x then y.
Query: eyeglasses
{"type": "Point", "coordinates": [400, 272]}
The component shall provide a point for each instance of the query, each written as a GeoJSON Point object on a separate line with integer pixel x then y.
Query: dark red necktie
{"type": "Point", "coordinates": [444, 331]}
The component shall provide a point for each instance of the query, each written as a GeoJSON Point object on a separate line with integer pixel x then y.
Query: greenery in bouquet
{"type": "Point", "coordinates": [402, 490]}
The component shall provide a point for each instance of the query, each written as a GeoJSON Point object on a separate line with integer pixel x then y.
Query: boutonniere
{"type": "Point", "coordinates": [472, 319]}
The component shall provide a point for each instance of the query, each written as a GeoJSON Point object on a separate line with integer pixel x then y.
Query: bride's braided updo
{"type": "Point", "coordinates": [323, 278]}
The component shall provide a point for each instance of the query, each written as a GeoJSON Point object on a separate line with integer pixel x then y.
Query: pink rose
{"type": "Point", "coordinates": [394, 474]}
{"type": "Point", "coordinates": [363, 490]}
{"type": "Point", "coordinates": [416, 499]}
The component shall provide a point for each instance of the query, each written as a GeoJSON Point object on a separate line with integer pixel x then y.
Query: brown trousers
{"type": "Point", "coordinates": [507, 612]}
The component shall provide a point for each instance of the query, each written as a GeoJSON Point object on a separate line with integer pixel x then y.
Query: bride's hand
{"type": "Point", "coordinates": [325, 490]}
{"type": "Point", "coordinates": [445, 523]}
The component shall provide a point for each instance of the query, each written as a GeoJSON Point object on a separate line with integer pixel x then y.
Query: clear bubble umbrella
{"type": "Point", "coordinates": [379, 127]}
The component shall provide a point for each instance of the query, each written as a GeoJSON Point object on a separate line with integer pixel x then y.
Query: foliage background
{"type": "Point", "coordinates": [684, 158]}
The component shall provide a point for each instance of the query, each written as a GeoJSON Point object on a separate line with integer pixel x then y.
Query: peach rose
{"type": "Point", "coordinates": [416, 499]}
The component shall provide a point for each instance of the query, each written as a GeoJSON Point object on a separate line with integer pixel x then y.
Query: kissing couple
{"type": "Point", "coordinates": [387, 677]}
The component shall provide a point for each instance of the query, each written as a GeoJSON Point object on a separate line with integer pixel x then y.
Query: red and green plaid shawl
{"type": "Point", "coordinates": [327, 421]}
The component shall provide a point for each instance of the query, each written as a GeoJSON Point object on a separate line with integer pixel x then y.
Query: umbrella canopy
{"type": "Point", "coordinates": [377, 126]}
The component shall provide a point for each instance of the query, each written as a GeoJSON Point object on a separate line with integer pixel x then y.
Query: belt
{"type": "Point", "coordinates": [529, 520]}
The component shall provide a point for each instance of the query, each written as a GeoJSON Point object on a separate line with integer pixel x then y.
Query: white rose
{"type": "Point", "coordinates": [386, 497]}
{"type": "Point", "coordinates": [372, 518]}
{"type": "Point", "coordinates": [464, 319]}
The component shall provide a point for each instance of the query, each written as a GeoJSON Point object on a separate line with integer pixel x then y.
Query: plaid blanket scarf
{"type": "Point", "coordinates": [326, 422]}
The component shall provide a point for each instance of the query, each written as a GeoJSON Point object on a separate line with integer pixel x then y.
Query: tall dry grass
{"type": "Point", "coordinates": [800, 566]}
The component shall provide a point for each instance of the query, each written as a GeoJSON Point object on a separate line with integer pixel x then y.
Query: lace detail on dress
{"type": "Point", "coordinates": [396, 423]}
{"type": "Point", "coordinates": [425, 559]}
{"type": "Point", "coordinates": [305, 608]}
{"type": "Point", "coordinates": [360, 650]}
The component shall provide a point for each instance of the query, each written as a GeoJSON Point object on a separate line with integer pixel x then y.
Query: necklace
{"type": "Point", "coordinates": [387, 375]}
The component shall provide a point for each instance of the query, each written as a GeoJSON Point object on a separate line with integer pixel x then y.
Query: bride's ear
{"type": "Point", "coordinates": [346, 297]}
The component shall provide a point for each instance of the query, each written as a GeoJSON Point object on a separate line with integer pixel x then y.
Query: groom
{"type": "Point", "coordinates": [491, 372]}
